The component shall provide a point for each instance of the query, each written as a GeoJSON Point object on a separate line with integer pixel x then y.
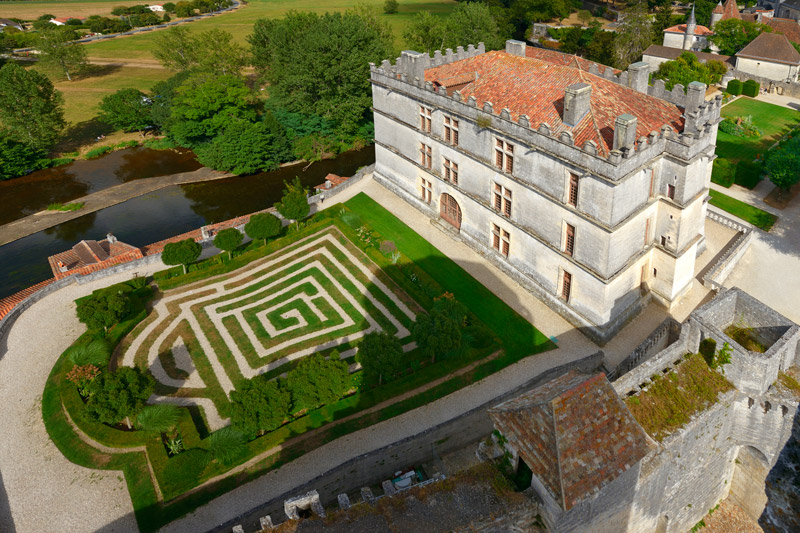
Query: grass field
{"type": "Point", "coordinates": [757, 217]}
{"type": "Point", "coordinates": [62, 8]}
{"type": "Point", "coordinates": [240, 22]}
{"type": "Point", "coordinates": [736, 154]}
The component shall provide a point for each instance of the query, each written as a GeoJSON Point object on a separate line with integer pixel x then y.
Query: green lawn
{"type": "Point", "coordinates": [240, 22]}
{"type": "Point", "coordinates": [736, 154]}
{"type": "Point", "coordinates": [757, 217]}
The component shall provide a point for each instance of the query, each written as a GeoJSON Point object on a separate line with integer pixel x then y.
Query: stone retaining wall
{"type": "Point", "coordinates": [721, 269]}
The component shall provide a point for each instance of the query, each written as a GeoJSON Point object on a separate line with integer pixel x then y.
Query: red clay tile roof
{"type": "Point", "coordinates": [10, 302]}
{"type": "Point", "coordinates": [575, 434]}
{"type": "Point", "coordinates": [535, 88]}
{"type": "Point", "coordinates": [560, 58]}
{"type": "Point", "coordinates": [730, 10]}
{"type": "Point", "coordinates": [702, 31]}
{"type": "Point", "coordinates": [774, 47]}
{"type": "Point", "coordinates": [718, 8]}
{"type": "Point", "coordinates": [100, 254]}
{"type": "Point", "coordinates": [790, 28]}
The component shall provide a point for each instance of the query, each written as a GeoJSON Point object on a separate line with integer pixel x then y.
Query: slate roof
{"type": "Point", "coordinates": [773, 47]}
{"type": "Point", "coordinates": [535, 87]}
{"type": "Point", "coordinates": [575, 434]}
{"type": "Point", "coordinates": [699, 30]}
{"type": "Point", "coordinates": [666, 52]}
{"type": "Point", "coordinates": [790, 28]}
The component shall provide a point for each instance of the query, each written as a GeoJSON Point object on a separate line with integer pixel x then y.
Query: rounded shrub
{"type": "Point", "coordinates": [95, 353]}
{"type": "Point", "coordinates": [161, 417]}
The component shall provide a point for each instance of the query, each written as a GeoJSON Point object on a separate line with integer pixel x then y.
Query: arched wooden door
{"type": "Point", "coordinates": [450, 211]}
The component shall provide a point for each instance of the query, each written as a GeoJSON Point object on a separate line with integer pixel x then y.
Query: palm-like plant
{"type": "Point", "coordinates": [95, 353]}
{"type": "Point", "coordinates": [161, 417]}
{"type": "Point", "coordinates": [226, 445]}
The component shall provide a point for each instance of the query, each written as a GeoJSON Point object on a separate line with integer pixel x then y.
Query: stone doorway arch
{"type": "Point", "coordinates": [450, 211]}
{"type": "Point", "coordinates": [747, 484]}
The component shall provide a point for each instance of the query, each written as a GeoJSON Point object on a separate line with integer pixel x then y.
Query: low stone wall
{"type": "Point", "coordinates": [426, 446]}
{"type": "Point", "coordinates": [787, 88]}
{"type": "Point", "coordinates": [358, 176]}
{"type": "Point", "coordinates": [721, 269]}
{"type": "Point", "coordinates": [664, 335]}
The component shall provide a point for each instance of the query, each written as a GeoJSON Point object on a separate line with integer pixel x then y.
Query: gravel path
{"type": "Point", "coordinates": [45, 491]}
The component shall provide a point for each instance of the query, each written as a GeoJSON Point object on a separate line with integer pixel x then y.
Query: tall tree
{"type": "Point", "coordinates": [263, 226]}
{"type": "Point", "coordinates": [469, 23]}
{"type": "Point", "coordinates": [733, 34]}
{"type": "Point", "coordinates": [115, 396]}
{"type": "Point", "coordinates": [205, 104]}
{"type": "Point", "coordinates": [57, 48]}
{"type": "Point", "coordinates": [381, 357]}
{"type": "Point", "coordinates": [686, 69]}
{"type": "Point", "coordinates": [635, 34]}
{"type": "Point", "coordinates": [127, 110]}
{"type": "Point", "coordinates": [258, 405]}
{"type": "Point", "coordinates": [176, 48]}
{"type": "Point", "coordinates": [294, 203]}
{"type": "Point", "coordinates": [181, 253]}
{"type": "Point", "coordinates": [247, 147]}
{"type": "Point", "coordinates": [31, 109]}
{"type": "Point", "coordinates": [18, 159]}
{"type": "Point", "coordinates": [317, 381]}
{"type": "Point", "coordinates": [228, 240]}
{"type": "Point", "coordinates": [783, 165]}
{"type": "Point", "coordinates": [319, 64]}
{"type": "Point", "coordinates": [219, 54]}
{"type": "Point", "coordinates": [439, 332]}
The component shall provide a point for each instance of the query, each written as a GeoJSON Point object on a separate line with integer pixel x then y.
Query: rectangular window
{"type": "Point", "coordinates": [426, 190]}
{"type": "Point", "coordinates": [655, 272]}
{"type": "Point", "coordinates": [671, 192]}
{"type": "Point", "coordinates": [501, 240]}
{"type": "Point", "coordinates": [502, 200]}
{"type": "Point", "coordinates": [425, 156]}
{"type": "Point", "coordinates": [572, 197]}
{"type": "Point", "coordinates": [652, 181]}
{"type": "Point", "coordinates": [646, 231]}
{"type": "Point", "coordinates": [569, 241]}
{"type": "Point", "coordinates": [663, 240]}
{"type": "Point", "coordinates": [504, 156]}
{"type": "Point", "coordinates": [451, 172]}
{"type": "Point", "coordinates": [451, 131]}
{"type": "Point", "coordinates": [424, 119]}
{"type": "Point", "coordinates": [566, 285]}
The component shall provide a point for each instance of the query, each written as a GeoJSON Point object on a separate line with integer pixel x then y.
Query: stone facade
{"type": "Point", "coordinates": [638, 221]}
{"type": "Point", "coordinates": [724, 451]}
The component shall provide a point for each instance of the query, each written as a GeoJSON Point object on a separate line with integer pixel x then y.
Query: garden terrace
{"type": "Point", "coordinates": [320, 286]}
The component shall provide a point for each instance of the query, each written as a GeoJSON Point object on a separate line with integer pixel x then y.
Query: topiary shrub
{"type": "Point", "coordinates": [734, 87]}
{"type": "Point", "coordinates": [750, 88]}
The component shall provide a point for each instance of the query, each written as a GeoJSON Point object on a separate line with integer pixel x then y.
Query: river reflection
{"type": "Point", "coordinates": [34, 192]}
{"type": "Point", "coordinates": [162, 214]}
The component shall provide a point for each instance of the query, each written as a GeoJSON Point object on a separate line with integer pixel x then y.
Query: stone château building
{"type": "Point", "coordinates": [587, 186]}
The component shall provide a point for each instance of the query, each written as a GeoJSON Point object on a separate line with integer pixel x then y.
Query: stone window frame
{"type": "Point", "coordinates": [503, 155]}
{"type": "Point", "coordinates": [426, 155]}
{"type": "Point", "coordinates": [572, 189]}
{"type": "Point", "coordinates": [501, 240]}
{"type": "Point", "coordinates": [425, 114]}
{"type": "Point", "coordinates": [568, 235]}
{"type": "Point", "coordinates": [451, 131]}
{"type": "Point", "coordinates": [501, 200]}
{"type": "Point", "coordinates": [450, 171]}
{"type": "Point", "coordinates": [426, 190]}
{"type": "Point", "coordinates": [565, 285]}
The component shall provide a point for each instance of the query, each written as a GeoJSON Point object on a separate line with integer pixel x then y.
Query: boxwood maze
{"type": "Point", "coordinates": [316, 294]}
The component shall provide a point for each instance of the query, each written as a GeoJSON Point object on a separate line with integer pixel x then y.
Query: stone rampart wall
{"type": "Point", "coordinates": [719, 271]}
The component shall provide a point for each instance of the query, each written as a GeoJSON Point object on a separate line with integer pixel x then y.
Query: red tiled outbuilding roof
{"type": "Point", "coordinates": [790, 28]}
{"type": "Point", "coordinates": [535, 87]}
{"type": "Point", "coordinates": [575, 434]}
{"type": "Point", "coordinates": [730, 10]}
{"type": "Point", "coordinates": [700, 31]}
{"type": "Point", "coordinates": [90, 256]}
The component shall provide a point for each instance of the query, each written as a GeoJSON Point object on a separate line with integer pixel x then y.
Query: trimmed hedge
{"type": "Point", "coordinates": [734, 87]}
{"type": "Point", "coordinates": [750, 88]}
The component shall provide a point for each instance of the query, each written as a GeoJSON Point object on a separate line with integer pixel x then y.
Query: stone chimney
{"type": "Point", "coordinates": [515, 48]}
{"type": "Point", "coordinates": [577, 101]}
{"type": "Point", "coordinates": [695, 95]}
{"type": "Point", "coordinates": [624, 131]}
{"type": "Point", "coordinates": [637, 76]}
{"type": "Point", "coordinates": [110, 237]}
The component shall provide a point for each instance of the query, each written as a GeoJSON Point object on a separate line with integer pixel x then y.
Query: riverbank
{"type": "Point", "coordinates": [102, 199]}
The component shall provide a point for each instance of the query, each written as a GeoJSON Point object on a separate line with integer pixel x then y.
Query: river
{"type": "Point", "coordinates": [146, 219]}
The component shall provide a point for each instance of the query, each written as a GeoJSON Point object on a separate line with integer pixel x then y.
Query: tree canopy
{"type": "Point", "coordinates": [732, 35]}
{"type": "Point", "coordinates": [228, 240]}
{"type": "Point", "coordinates": [783, 165]}
{"type": "Point", "coordinates": [381, 357]}
{"type": "Point", "coordinates": [114, 396]}
{"type": "Point", "coordinates": [31, 109]}
{"type": "Point", "coordinates": [212, 51]}
{"type": "Point", "coordinates": [18, 159]}
{"type": "Point", "coordinates": [263, 226]}
{"type": "Point", "coordinates": [634, 35]}
{"type": "Point", "coordinates": [317, 381]}
{"type": "Point", "coordinates": [181, 253]}
{"type": "Point", "coordinates": [258, 405]}
{"type": "Point", "coordinates": [247, 147]}
{"type": "Point", "coordinates": [319, 64]}
{"type": "Point", "coordinates": [439, 332]}
{"type": "Point", "coordinates": [127, 110]}
{"type": "Point", "coordinates": [469, 23]}
{"type": "Point", "coordinates": [57, 49]}
{"type": "Point", "coordinates": [294, 203]}
{"type": "Point", "coordinates": [686, 69]}
{"type": "Point", "coordinates": [104, 309]}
